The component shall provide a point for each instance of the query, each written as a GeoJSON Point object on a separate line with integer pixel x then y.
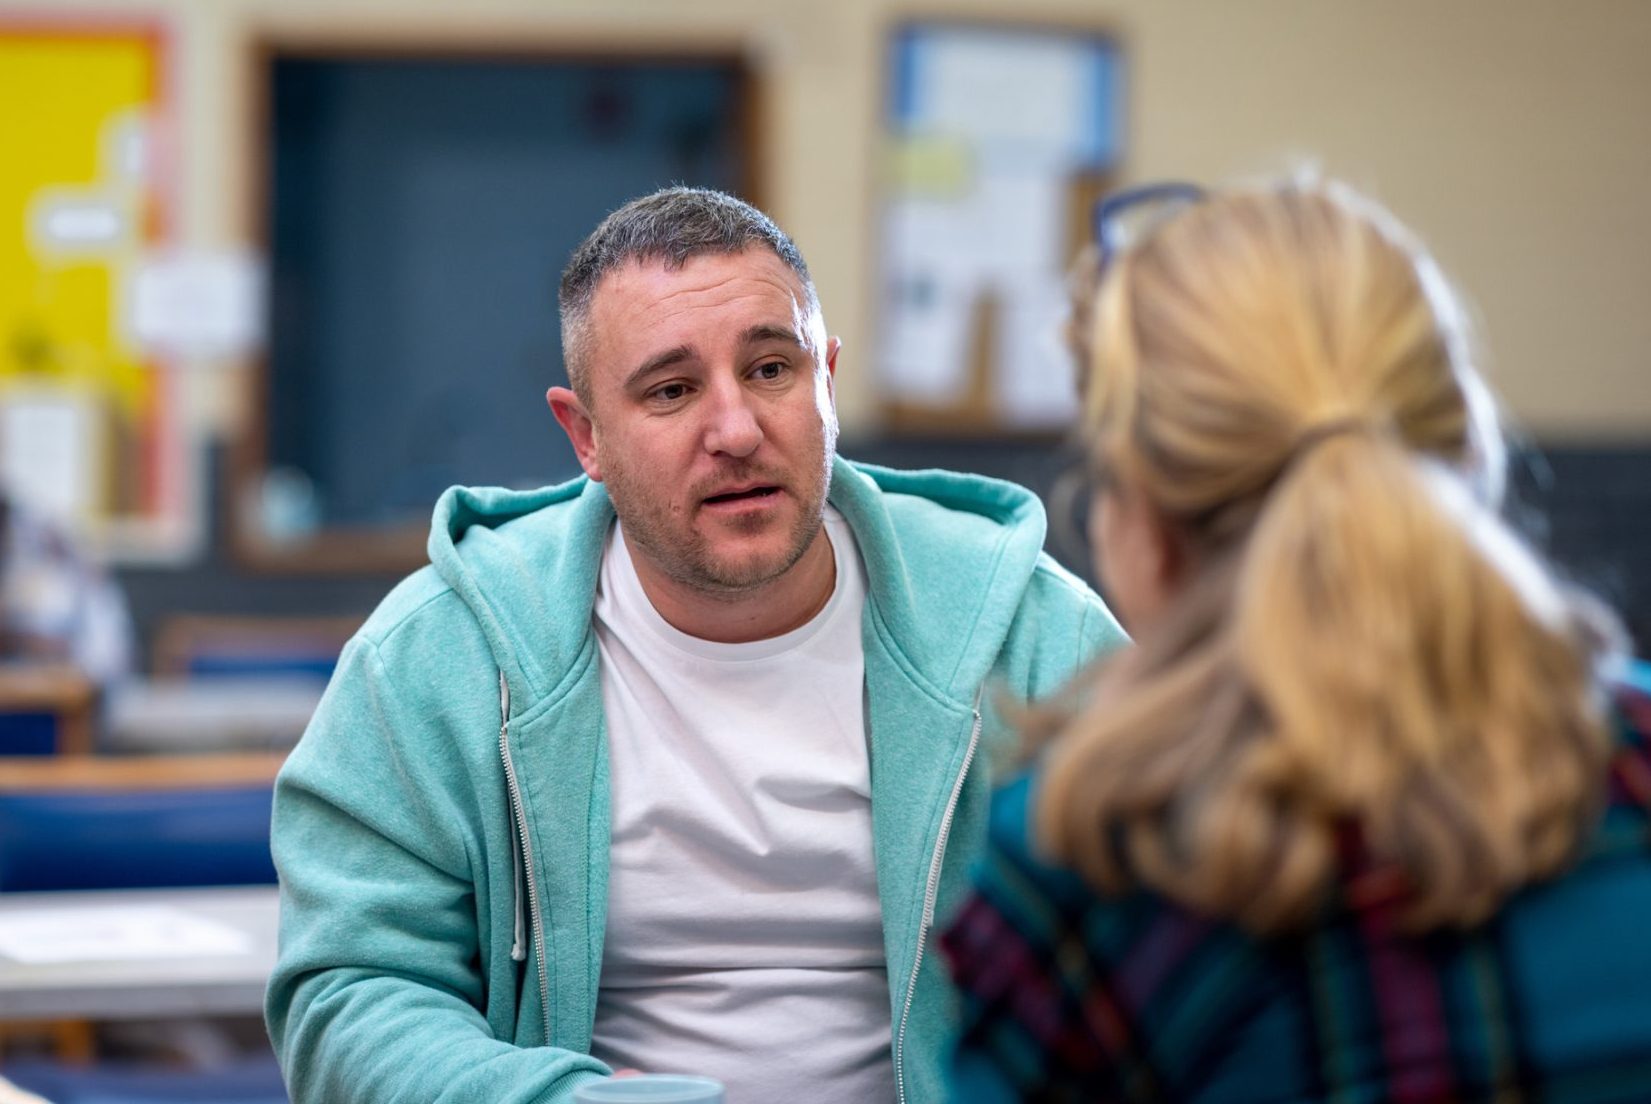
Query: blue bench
{"type": "Point", "coordinates": [90, 823]}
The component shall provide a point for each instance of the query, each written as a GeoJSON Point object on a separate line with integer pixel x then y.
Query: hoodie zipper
{"type": "Point", "coordinates": [931, 893]}
{"type": "Point", "coordinates": [522, 854]}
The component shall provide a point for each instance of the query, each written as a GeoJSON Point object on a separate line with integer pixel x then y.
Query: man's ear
{"type": "Point", "coordinates": [833, 347]}
{"type": "Point", "coordinates": [576, 421]}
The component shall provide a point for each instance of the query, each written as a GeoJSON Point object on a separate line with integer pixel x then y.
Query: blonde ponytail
{"type": "Point", "coordinates": [1365, 651]}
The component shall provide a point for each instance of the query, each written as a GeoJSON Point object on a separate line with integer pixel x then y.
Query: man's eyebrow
{"type": "Point", "coordinates": [658, 361]}
{"type": "Point", "coordinates": [764, 331]}
{"type": "Point", "coordinates": [768, 332]}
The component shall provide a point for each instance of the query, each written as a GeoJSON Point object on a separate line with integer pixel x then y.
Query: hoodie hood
{"type": "Point", "coordinates": [969, 545]}
{"type": "Point", "coordinates": [527, 562]}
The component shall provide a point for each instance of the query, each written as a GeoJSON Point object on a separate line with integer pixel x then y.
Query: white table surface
{"type": "Point", "coordinates": [228, 984]}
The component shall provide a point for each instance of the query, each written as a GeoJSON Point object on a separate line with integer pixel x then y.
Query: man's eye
{"type": "Point", "coordinates": [773, 370]}
{"type": "Point", "coordinates": [669, 392]}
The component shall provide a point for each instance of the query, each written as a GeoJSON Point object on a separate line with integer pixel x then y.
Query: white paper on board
{"type": "Point", "coordinates": [933, 268]}
{"type": "Point", "coordinates": [205, 304]}
{"type": "Point", "coordinates": [925, 342]}
{"type": "Point", "coordinates": [1033, 386]}
{"type": "Point", "coordinates": [125, 141]}
{"type": "Point", "coordinates": [51, 448]}
{"type": "Point", "coordinates": [1029, 92]}
{"type": "Point", "coordinates": [1018, 221]}
{"type": "Point", "coordinates": [70, 224]}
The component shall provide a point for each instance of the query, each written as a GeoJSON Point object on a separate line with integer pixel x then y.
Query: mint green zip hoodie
{"type": "Point", "coordinates": [442, 828]}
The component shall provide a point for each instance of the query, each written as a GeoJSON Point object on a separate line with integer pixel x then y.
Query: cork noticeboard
{"type": "Point", "coordinates": [997, 137]}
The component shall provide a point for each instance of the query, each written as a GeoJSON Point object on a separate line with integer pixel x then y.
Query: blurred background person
{"type": "Point", "coordinates": [1364, 815]}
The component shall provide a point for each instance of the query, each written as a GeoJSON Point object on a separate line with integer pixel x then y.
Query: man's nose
{"type": "Point", "coordinates": [732, 428]}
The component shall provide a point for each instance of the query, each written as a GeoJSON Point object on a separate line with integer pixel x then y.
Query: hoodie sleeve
{"type": "Point", "coordinates": [379, 989]}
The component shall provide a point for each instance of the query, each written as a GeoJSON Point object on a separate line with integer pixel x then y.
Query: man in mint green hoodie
{"type": "Point", "coordinates": [672, 767]}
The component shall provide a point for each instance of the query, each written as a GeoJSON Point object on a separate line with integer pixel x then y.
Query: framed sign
{"type": "Point", "coordinates": [995, 136]}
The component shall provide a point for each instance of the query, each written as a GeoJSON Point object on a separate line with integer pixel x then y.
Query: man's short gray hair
{"type": "Point", "coordinates": [671, 226]}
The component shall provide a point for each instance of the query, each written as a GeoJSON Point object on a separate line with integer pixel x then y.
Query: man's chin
{"type": "Point", "coordinates": [734, 572]}
{"type": "Point", "coordinates": [735, 562]}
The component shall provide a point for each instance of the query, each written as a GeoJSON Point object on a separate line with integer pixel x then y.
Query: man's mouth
{"type": "Point", "coordinates": [743, 495]}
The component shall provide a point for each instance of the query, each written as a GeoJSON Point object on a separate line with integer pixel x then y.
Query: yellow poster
{"type": "Point", "coordinates": [86, 417]}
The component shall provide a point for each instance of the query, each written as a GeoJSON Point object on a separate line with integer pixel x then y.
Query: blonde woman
{"type": "Point", "coordinates": [1364, 816]}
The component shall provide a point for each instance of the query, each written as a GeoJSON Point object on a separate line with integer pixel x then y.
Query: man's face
{"type": "Point", "coordinates": [711, 418]}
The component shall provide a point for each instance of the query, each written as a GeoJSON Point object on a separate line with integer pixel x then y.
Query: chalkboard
{"type": "Point", "coordinates": [419, 213]}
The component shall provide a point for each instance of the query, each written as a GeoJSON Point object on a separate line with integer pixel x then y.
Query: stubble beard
{"type": "Point", "coordinates": [686, 557]}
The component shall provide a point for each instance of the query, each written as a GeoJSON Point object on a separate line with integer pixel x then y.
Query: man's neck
{"type": "Point", "coordinates": [739, 617]}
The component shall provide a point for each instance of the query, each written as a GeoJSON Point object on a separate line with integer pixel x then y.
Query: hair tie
{"type": "Point", "coordinates": [1315, 435]}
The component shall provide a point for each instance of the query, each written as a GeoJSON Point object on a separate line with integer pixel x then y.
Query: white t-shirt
{"type": "Point", "coordinates": [744, 938]}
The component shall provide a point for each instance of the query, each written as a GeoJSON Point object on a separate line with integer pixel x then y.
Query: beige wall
{"type": "Point", "coordinates": [1514, 134]}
